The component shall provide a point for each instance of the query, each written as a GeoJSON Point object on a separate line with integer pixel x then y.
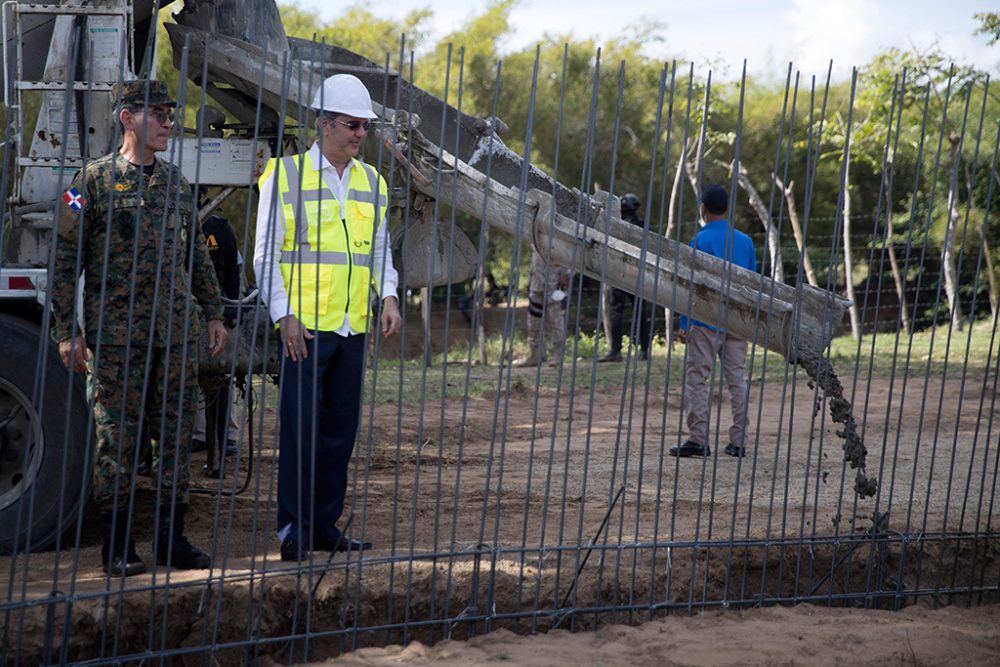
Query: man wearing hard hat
{"type": "Point", "coordinates": [322, 244]}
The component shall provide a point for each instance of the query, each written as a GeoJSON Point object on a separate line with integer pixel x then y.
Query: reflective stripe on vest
{"type": "Point", "coordinates": [333, 278]}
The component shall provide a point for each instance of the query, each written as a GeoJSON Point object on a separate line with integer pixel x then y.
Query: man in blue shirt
{"type": "Point", "coordinates": [704, 343]}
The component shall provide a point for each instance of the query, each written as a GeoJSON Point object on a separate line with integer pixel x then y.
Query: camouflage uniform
{"type": "Point", "coordinates": [136, 233]}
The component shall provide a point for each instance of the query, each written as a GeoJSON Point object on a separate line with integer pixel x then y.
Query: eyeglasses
{"type": "Point", "coordinates": [354, 125]}
{"type": "Point", "coordinates": [161, 116]}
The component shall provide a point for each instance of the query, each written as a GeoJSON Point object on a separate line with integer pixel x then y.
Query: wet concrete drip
{"type": "Point", "coordinates": [821, 373]}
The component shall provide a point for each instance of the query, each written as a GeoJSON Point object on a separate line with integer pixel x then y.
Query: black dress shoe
{"type": "Point", "coordinates": [733, 450]}
{"type": "Point", "coordinates": [198, 446]}
{"type": "Point", "coordinates": [292, 551]}
{"type": "Point", "coordinates": [690, 449]}
{"type": "Point", "coordinates": [347, 544]}
{"type": "Point", "coordinates": [341, 544]}
{"type": "Point", "coordinates": [613, 355]}
{"type": "Point", "coordinates": [127, 563]}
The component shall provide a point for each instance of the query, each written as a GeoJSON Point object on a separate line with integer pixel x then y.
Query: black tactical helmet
{"type": "Point", "coordinates": [630, 204]}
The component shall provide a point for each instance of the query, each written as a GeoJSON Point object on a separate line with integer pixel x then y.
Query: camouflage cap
{"type": "Point", "coordinates": [134, 92]}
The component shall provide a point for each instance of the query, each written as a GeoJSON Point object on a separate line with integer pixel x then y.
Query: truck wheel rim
{"type": "Point", "coordinates": [20, 447]}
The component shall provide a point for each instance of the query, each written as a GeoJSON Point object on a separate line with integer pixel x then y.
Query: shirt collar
{"type": "Point", "coordinates": [317, 158]}
{"type": "Point", "coordinates": [717, 223]}
{"type": "Point", "coordinates": [129, 170]}
{"type": "Point", "coordinates": [122, 165]}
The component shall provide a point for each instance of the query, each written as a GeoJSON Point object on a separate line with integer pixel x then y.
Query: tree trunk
{"type": "Point", "coordinates": [668, 316]}
{"type": "Point", "coordinates": [848, 257]}
{"type": "Point", "coordinates": [948, 264]}
{"type": "Point", "coordinates": [897, 278]}
{"type": "Point", "coordinates": [793, 219]}
{"type": "Point", "coordinates": [604, 198]}
{"type": "Point", "coordinates": [900, 280]}
{"type": "Point", "coordinates": [990, 276]}
{"type": "Point", "coordinates": [674, 191]}
{"type": "Point", "coordinates": [773, 243]}
{"type": "Point", "coordinates": [692, 170]}
{"type": "Point", "coordinates": [479, 313]}
{"type": "Point", "coordinates": [425, 317]}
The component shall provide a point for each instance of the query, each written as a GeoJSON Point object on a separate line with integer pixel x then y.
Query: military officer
{"type": "Point", "coordinates": [129, 223]}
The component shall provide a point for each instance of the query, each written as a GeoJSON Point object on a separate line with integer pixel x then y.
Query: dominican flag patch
{"type": "Point", "coordinates": [74, 199]}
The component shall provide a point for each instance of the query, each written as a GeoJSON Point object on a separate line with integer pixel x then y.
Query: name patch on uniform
{"type": "Point", "coordinates": [74, 199]}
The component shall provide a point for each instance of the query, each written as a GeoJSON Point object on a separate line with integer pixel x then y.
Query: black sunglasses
{"type": "Point", "coordinates": [160, 115]}
{"type": "Point", "coordinates": [354, 125]}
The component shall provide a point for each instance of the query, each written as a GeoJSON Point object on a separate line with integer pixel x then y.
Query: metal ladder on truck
{"type": "Point", "coordinates": [74, 108]}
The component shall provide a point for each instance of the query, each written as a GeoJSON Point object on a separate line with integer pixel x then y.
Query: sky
{"type": "Point", "coordinates": [722, 33]}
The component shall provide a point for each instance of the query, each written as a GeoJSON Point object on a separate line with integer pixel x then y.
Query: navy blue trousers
{"type": "Point", "coordinates": [319, 411]}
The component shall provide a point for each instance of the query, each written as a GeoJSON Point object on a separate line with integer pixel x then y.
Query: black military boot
{"type": "Point", "coordinates": [118, 554]}
{"type": "Point", "coordinates": [178, 552]}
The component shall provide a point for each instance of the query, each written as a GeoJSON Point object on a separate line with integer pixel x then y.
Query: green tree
{"type": "Point", "coordinates": [989, 24]}
{"type": "Point", "coordinates": [566, 85]}
{"type": "Point", "coordinates": [359, 29]}
{"type": "Point", "coordinates": [941, 108]}
{"type": "Point", "coordinates": [475, 47]}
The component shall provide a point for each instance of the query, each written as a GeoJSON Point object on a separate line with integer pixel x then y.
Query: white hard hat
{"type": "Point", "coordinates": [344, 93]}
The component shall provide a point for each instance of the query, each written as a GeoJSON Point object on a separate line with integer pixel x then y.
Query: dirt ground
{"type": "Point", "coordinates": [486, 507]}
{"type": "Point", "coordinates": [803, 635]}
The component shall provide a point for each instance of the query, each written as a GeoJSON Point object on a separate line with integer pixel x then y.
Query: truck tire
{"type": "Point", "coordinates": [44, 458]}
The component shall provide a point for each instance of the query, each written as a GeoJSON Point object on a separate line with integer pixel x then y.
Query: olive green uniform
{"type": "Point", "coordinates": [135, 235]}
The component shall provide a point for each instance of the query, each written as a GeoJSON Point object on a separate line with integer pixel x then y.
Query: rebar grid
{"type": "Point", "coordinates": [545, 497]}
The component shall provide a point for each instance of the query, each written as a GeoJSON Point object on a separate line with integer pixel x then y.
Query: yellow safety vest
{"type": "Point", "coordinates": [326, 254]}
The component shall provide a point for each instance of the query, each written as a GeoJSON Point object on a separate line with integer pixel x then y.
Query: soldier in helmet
{"type": "Point", "coordinates": [128, 221]}
{"type": "Point", "coordinates": [322, 244]}
{"type": "Point", "coordinates": [615, 300]}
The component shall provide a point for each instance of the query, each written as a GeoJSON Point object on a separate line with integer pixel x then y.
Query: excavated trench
{"type": "Point", "coordinates": [249, 619]}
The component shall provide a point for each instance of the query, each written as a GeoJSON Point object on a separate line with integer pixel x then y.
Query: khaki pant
{"type": "Point", "coordinates": [703, 347]}
{"type": "Point", "coordinates": [544, 280]}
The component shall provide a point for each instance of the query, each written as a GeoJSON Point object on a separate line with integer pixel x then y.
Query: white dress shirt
{"type": "Point", "coordinates": [271, 236]}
